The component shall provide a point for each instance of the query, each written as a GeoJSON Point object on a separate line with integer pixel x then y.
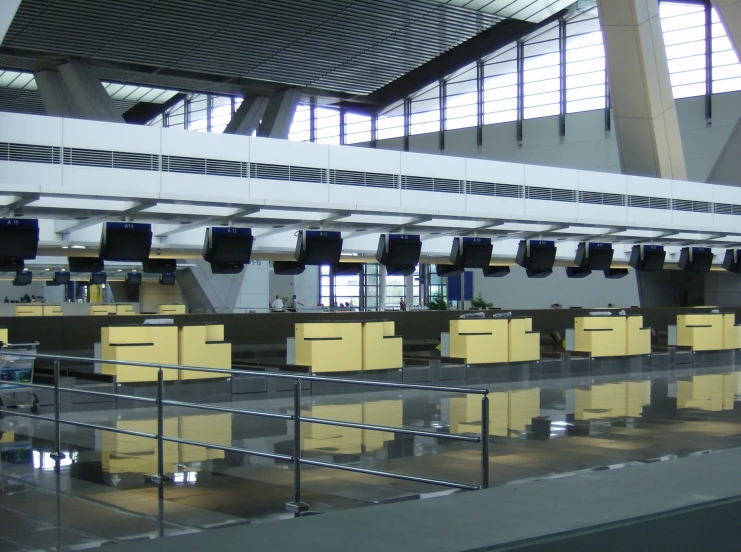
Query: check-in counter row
{"type": "Point", "coordinates": [715, 331]}
{"type": "Point", "coordinates": [609, 336]}
{"type": "Point", "coordinates": [491, 341]}
{"type": "Point", "coordinates": [95, 309]}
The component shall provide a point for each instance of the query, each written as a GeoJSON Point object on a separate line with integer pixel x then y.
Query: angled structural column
{"type": "Point", "coordinates": [276, 122]}
{"type": "Point", "coordinates": [247, 117]}
{"type": "Point", "coordinates": [727, 168]}
{"type": "Point", "coordinates": [94, 102]}
{"type": "Point", "coordinates": [55, 95]}
{"type": "Point", "coordinates": [645, 115]}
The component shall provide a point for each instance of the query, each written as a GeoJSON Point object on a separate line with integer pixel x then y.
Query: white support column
{"type": "Point", "coordinates": [276, 122]}
{"type": "Point", "coordinates": [55, 95]}
{"type": "Point", "coordinates": [645, 115]}
{"type": "Point", "coordinates": [247, 117]}
{"type": "Point", "coordinates": [727, 168]}
{"type": "Point", "coordinates": [381, 287]}
{"type": "Point", "coordinates": [95, 103]}
{"type": "Point", "coordinates": [409, 290]}
{"type": "Point", "coordinates": [8, 8]}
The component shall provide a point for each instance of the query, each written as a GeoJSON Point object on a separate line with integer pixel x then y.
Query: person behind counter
{"type": "Point", "coordinates": [277, 305]}
{"type": "Point", "coordinates": [293, 304]}
{"type": "Point", "coordinates": [402, 304]}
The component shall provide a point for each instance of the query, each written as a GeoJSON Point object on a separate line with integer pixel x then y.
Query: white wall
{"type": "Point", "coordinates": [517, 291]}
{"type": "Point", "coordinates": [280, 285]}
{"type": "Point", "coordinates": [306, 287]}
{"type": "Point", "coordinates": [586, 145]}
{"type": "Point", "coordinates": [255, 288]}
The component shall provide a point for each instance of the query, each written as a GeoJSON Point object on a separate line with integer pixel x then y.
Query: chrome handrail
{"type": "Point", "coordinates": [296, 505]}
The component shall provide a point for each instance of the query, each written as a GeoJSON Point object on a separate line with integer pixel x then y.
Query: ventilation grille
{"type": "Point", "coordinates": [110, 159]}
{"type": "Point", "coordinates": [265, 171]}
{"type": "Point", "coordinates": [495, 190]}
{"type": "Point", "coordinates": [208, 167]}
{"type": "Point", "coordinates": [550, 194]}
{"type": "Point", "coordinates": [645, 202]}
{"type": "Point", "coordinates": [602, 198]}
{"type": "Point", "coordinates": [357, 178]}
{"type": "Point", "coordinates": [726, 209]}
{"type": "Point", "coordinates": [27, 153]}
{"type": "Point", "coordinates": [429, 184]}
{"type": "Point", "coordinates": [691, 206]}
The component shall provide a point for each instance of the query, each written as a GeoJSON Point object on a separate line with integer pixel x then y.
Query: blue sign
{"type": "Point", "coordinates": [404, 237]}
{"type": "Point", "coordinates": [231, 231]}
{"type": "Point", "coordinates": [323, 234]}
{"type": "Point", "coordinates": [476, 240]}
{"type": "Point", "coordinates": [454, 287]}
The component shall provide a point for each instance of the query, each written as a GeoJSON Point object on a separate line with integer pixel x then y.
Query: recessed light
{"type": "Point", "coordinates": [46, 269]}
{"type": "Point", "coordinates": [119, 270]}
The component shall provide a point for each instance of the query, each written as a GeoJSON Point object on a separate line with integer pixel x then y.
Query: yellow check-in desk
{"type": "Point", "coordinates": [611, 336]}
{"type": "Point", "coordinates": [508, 411]}
{"type": "Point", "coordinates": [612, 400]}
{"type": "Point", "coordinates": [4, 335]}
{"type": "Point", "coordinates": [711, 392]}
{"type": "Point", "coordinates": [203, 346]}
{"type": "Point", "coordinates": [346, 440]}
{"type": "Point", "coordinates": [125, 310]}
{"type": "Point", "coordinates": [29, 309]}
{"type": "Point", "coordinates": [148, 344]}
{"type": "Point", "coordinates": [171, 309]}
{"type": "Point", "coordinates": [382, 350]}
{"type": "Point", "coordinates": [524, 343]}
{"type": "Point", "coordinates": [102, 309]}
{"type": "Point", "coordinates": [731, 332]}
{"type": "Point", "coordinates": [704, 332]}
{"type": "Point", "coordinates": [480, 340]}
{"type": "Point", "coordinates": [329, 346]}
{"type": "Point", "coordinates": [492, 341]}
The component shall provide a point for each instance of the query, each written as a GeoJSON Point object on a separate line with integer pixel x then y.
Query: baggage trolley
{"type": "Point", "coordinates": [16, 370]}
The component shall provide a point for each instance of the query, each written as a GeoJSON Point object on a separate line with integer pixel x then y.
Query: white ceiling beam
{"type": "Point", "coordinates": [61, 228]}
{"type": "Point", "coordinates": [177, 229]}
{"type": "Point", "coordinates": [17, 202]}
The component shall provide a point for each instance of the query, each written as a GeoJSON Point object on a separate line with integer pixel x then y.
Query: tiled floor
{"type": "Point", "coordinates": [103, 492]}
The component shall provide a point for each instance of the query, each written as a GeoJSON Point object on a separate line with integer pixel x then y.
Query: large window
{"type": "Point", "coordinates": [425, 111]}
{"type": "Point", "coordinates": [585, 64]}
{"type": "Point", "coordinates": [301, 124]}
{"type": "Point", "coordinates": [390, 123]}
{"type": "Point", "coordinates": [461, 99]}
{"type": "Point", "coordinates": [500, 87]}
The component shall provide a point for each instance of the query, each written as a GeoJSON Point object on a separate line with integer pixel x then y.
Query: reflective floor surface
{"type": "Point", "coordinates": [102, 491]}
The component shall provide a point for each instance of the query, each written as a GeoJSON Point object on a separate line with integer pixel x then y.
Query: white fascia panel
{"type": "Point", "coordinates": [696, 222]}
{"type": "Point", "coordinates": [196, 187]}
{"type": "Point", "coordinates": [495, 207]}
{"type": "Point", "coordinates": [603, 182]}
{"type": "Point", "coordinates": [602, 214]}
{"type": "Point", "coordinates": [285, 152]}
{"type": "Point", "coordinates": [209, 145]}
{"type": "Point", "coordinates": [97, 135]}
{"type": "Point", "coordinates": [551, 211]}
{"type": "Point", "coordinates": [96, 181]}
{"type": "Point", "coordinates": [30, 129]}
{"type": "Point", "coordinates": [724, 194]}
{"type": "Point", "coordinates": [437, 201]}
{"type": "Point", "coordinates": [429, 165]}
{"type": "Point", "coordinates": [648, 218]}
{"type": "Point", "coordinates": [365, 198]}
{"type": "Point", "coordinates": [551, 177]}
{"type": "Point", "coordinates": [651, 187]}
{"type": "Point", "coordinates": [29, 177]}
{"type": "Point", "coordinates": [497, 172]}
{"type": "Point", "coordinates": [364, 160]}
{"type": "Point", "coordinates": [681, 189]}
{"type": "Point", "coordinates": [285, 193]}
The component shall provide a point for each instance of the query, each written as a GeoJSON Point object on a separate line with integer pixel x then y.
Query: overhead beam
{"type": "Point", "coordinates": [302, 225]}
{"type": "Point", "coordinates": [93, 220]}
{"type": "Point", "coordinates": [143, 112]}
{"type": "Point", "coordinates": [390, 228]}
{"type": "Point", "coordinates": [278, 116]}
{"type": "Point", "coordinates": [17, 203]}
{"type": "Point", "coordinates": [55, 95]}
{"type": "Point", "coordinates": [494, 38]}
{"type": "Point", "coordinates": [647, 126]}
{"type": "Point", "coordinates": [89, 94]}
{"type": "Point", "coordinates": [205, 222]}
{"type": "Point", "coordinates": [246, 119]}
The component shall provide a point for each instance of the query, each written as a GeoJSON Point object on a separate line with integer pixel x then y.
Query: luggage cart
{"type": "Point", "coordinates": [16, 370]}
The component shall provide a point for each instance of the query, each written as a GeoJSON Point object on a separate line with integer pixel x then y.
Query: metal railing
{"type": "Point", "coordinates": [296, 505]}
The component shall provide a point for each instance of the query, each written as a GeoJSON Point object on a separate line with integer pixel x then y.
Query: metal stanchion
{"type": "Point", "coordinates": [297, 506]}
{"type": "Point", "coordinates": [57, 454]}
{"type": "Point", "coordinates": [160, 477]}
{"type": "Point", "coordinates": [485, 442]}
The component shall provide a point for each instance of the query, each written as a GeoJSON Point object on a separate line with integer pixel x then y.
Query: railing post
{"type": "Point", "coordinates": [485, 442]}
{"type": "Point", "coordinates": [297, 506]}
{"type": "Point", "coordinates": [57, 454]}
{"type": "Point", "coordinates": [160, 476]}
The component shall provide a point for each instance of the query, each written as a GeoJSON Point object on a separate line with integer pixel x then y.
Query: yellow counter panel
{"type": "Point", "coordinates": [329, 346]}
{"type": "Point", "coordinates": [382, 350]}
{"type": "Point", "coordinates": [384, 413]}
{"type": "Point", "coordinates": [204, 347]}
{"type": "Point", "coordinates": [171, 309]}
{"type": "Point", "coordinates": [102, 310]}
{"type": "Point", "coordinates": [480, 341]}
{"type": "Point", "coordinates": [4, 335]}
{"type": "Point", "coordinates": [29, 310]}
{"type": "Point", "coordinates": [638, 338]}
{"type": "Point", "coordinates": [701, 332]}
{"type": "Point", "coordinates": [524, 343]}
{"type": "Point", "coordinates": [53, 310]}
{"type": "Point", "coordinates": [612, 400]}
{"type": "Point", "coordinates": [336, 439]}
{"type": "Point", "coordinates": [731, 332]}
{"type": "Point", "coordinates": [600, 336]}
{"type": "Point", "coordinates": [125, 310]}
{"type": "Point", "coordinates": [150, 344]}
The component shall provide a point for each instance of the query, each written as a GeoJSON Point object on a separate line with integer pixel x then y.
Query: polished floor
{"type": "Point", "coordinates": [539, 428]}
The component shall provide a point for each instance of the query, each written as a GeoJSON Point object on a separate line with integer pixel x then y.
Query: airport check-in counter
{"type": "Point", "coordinates": [104, 309]}
{"type": "Point", "coordinates": [187, 345]}
{"type": "Point", "coordinates": [36, 309]}
{"type": "Point", "coordinates": [351, 346]}
{"type": "Point", "coordinates": [171, 309]}
{"type": "Point", "coordinates": [610, 336]}
{"type": "Point", "coordinates": [4, 335]}
{"type": "Point", "coordinates": [493, 341]}
{"type": "Point", "coordinates": [714, 331]}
